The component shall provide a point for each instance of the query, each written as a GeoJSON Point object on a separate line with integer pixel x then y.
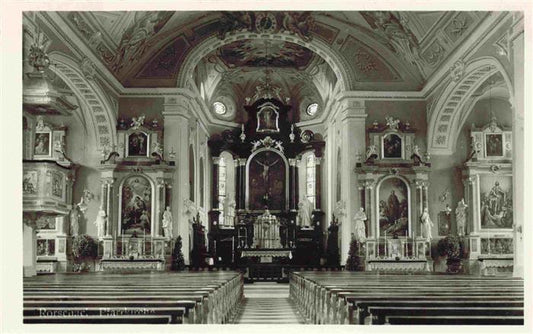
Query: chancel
{"type": "Point", "coordinates": [273, 167]}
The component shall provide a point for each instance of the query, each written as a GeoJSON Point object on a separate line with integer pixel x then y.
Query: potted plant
{"type": "Point", "coordinates": [84, 249]}
{"type": "Point", "coordinates": [355, 260]}
{"type": "Point", "coordinates": [178, 263]}
{"type": "Point", "coordinates": [452, 247]}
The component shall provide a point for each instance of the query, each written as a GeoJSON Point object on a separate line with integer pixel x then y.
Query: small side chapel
{"type": "Point", "coordinates": [268, 147]}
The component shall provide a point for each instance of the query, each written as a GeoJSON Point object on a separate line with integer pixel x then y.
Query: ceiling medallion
{"type": "Point", "coordinates": [266, 23]}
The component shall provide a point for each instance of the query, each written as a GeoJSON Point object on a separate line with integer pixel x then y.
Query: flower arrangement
{"type": "Point", "coordinates": [451, 246]}
{"type": "Point", "coordinates": [84, 248]}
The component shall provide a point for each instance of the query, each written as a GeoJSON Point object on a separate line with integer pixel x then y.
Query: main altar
{"type": "Point", "coordinates": [260, 221]}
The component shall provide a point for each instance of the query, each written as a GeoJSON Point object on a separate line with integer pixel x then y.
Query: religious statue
{"type": "Point", "coordinates": [167, 223]}
{"type": "Point", "coordinates": [304, 212]}
{"type": "Point", "coordinates": [230, 210]}
{"type": "Point", "coordinates": [416, 156]}
{"type": "Point", "coordinates": [460, 217]}
{"type": "Point", "coordinates": [371, 153]}
{"type": "Point", "coordinates": [427, 224]}
{"type": "Point", "coordinates": [100, 223]}
{"type": "Point", "coordinates": [360, 228]}
{"type": "Point", "coordinates": [74, 221]}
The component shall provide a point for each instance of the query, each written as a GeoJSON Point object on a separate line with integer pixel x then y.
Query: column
{"type": "Point", "coordinates": [29, 243]}
{"type": "Point", "coordinates": [318, 184]}
{"type": "Point", "coordinates": [109, 206]}
{"type": "Point", "coordinates": [293, 185]}
{"type": "Point", "coordinates": [352, 115]}
{"type": "Point", "coordinates": [242, 177]}
{"type": "Point", "coordinates": [369, 209]}
{"type": "Point", "coordinates": [215, 193]}
{"type": "Point", "coordinates": [161, 200]}
{"type": "Point", "coordinates": [176, 114]}
{"type": "Point", "coordinates": [516, 39]}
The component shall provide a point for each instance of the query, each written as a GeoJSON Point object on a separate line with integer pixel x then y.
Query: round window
{"type": "Point", "coordinates": [312, 109]}
{"type": "Point", "coordinates": [219, 108]}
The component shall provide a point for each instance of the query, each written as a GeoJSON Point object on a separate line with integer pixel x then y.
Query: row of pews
{"type": "Point", "coordinates": [150, 298]}
{"type": "Point", "coordinates": [369, 298]}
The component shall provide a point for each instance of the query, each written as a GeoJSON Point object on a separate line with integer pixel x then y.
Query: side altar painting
{"type": "Point", "coordinates": [496, 201]}
{"type": "Point", "coordinates": [393, 207]}
{"type": "Point", "coordinates": [136, 205]}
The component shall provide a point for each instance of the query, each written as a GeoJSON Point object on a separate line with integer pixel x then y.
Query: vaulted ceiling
{"type": "Point", "coordinates": [385, 50]}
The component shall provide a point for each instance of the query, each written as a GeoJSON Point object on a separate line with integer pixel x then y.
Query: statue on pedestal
{"type": "Point", "coordinates": [360, 228]}
{"type": "Point", "coordinates": [427, 224]}
{"type": "Point", "coordinates": [100, 223]}
{"type": "Point", "coordinates": [304, 212]}
{"type": "Point", "coordinates": [167, 223]}
{"type": "Point", "coordinates": [460, 217]}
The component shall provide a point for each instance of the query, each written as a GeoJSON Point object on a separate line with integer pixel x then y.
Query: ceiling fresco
{"type": "Point", "coordinates": [401, 49]}
{"type": "Point", "coordinates": [262, 53]}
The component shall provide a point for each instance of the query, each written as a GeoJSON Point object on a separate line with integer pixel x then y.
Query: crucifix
{"type": "Point", "coordinates": [266, 168]}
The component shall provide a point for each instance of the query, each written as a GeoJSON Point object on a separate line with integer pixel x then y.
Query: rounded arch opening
{"type": "Point", "coordinates": [452, 107]}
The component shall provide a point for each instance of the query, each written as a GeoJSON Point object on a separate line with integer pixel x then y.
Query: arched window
{"type": "Point", "coordinates": [310, 178]}
{"type": "Point", "coordinates": [222, 175]}
{"type": "Point", "coordinates": [191, 173]}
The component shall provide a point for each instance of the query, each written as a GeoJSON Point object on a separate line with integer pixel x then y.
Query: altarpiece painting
{"type": "Point", "coordinates": [393, 207]}
{"type": "Point", "coordinates": [136, 205]}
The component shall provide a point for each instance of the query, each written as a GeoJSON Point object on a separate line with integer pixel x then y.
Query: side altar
{"type": "Point", "coordinates": [394, 223]}
{"type": "Point", "coordinates": [134, 222]}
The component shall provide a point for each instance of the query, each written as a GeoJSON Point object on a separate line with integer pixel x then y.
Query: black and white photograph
{"type": "Point", "coordinates": [240, 164]}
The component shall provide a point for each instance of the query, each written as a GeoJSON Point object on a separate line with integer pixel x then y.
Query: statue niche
{"type": "Point", "coordinates": [267, 172]}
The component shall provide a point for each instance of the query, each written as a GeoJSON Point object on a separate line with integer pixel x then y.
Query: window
{"type": "Point", "coordinates": [221, 183]}
{"type": "Point", "coordinates": [312, 109]}
{"type": "Point", "coordinates": [310, 171]}
{"type": "Point", "coordinates": [219, 108]}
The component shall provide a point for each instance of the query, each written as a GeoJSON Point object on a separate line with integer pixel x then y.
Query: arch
{"type": "Point", "coordinates": [378, 189]}
{"type": "Point", "coordinates": [153, 215]}
{"type": "Point", "coordinates": [99, 111]}
{"type": "Point", "coordinates": [285, 161]}
{"type": "Point", "coordinates": [339, 66]}
{"type": "Point", "coordinates": [447, 116]}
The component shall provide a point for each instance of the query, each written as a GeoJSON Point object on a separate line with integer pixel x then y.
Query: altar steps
{"type": "Point", "coordinates": [267, 303]}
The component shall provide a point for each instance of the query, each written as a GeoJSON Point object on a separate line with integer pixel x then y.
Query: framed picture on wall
{"type": "Point", "coordinates": [392, 146]}
{"type": "Point", "coordinates": [42, 145]}
{"type": "Point", "coordinates": [494, 145]}
{"type": "Point", "coordinates": [138, 144]}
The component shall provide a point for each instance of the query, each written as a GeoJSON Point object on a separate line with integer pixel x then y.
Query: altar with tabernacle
{"type": "Point", "coordinates": [266, 231]}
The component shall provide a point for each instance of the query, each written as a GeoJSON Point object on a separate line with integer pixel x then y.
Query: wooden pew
{"type": "Point", "coordinates": [325, 297]}
{"type": "Point", "coordinates": [200, 297]}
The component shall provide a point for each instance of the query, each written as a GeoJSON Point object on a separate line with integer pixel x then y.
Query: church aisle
{"type": "Point", "coordinates": [267, 303]}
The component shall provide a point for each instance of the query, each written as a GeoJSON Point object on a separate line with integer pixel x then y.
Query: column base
{"type": "Point", "coordinates": [29, 271]}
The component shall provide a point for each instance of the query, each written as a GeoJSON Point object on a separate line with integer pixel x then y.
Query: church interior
{"type": "Point", "coordinates": [207, 167]}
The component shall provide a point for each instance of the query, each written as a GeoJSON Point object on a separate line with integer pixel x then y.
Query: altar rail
{"type": "Point", "coordinates": [193, 298]}
{"type": "Point", "coordinates": [366, 298]}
